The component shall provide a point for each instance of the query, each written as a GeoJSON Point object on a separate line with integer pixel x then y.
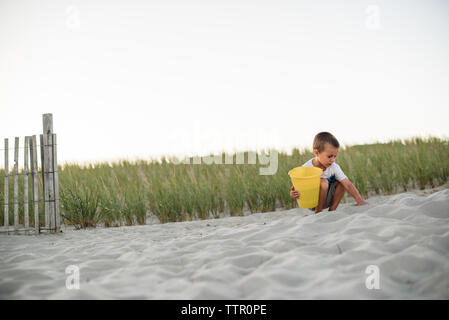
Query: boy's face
{"type": "Point", "coordinates": [327, 156]}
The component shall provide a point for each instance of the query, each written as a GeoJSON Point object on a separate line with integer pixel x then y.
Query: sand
{"type": "Point", "coordinates": [291, 254]}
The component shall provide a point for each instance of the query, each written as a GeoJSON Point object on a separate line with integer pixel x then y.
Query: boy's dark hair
{"type": "Point", "coordinates": [322, 138]}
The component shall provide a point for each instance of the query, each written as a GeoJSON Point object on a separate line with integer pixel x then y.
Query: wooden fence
{"type": "Point", "coordinates": [45, 192]}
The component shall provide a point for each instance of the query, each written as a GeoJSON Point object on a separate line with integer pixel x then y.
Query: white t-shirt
{"type": "Point", "coordinates": [333, 170]}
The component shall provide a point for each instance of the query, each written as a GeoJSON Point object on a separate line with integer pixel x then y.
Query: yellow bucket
{"type": "Point", "coordinates": [306, 180]}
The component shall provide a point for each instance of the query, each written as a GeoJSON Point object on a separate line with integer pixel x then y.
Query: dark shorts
{"type": "Point", "coordinates": [330, 193]}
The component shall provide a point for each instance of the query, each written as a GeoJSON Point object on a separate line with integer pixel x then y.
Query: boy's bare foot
{"type": "Point", "coordinates": [360, 204]}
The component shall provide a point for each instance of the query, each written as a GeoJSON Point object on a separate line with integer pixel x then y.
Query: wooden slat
{"type": "Point", "coordinates": [56, 184]}
{"type": "Point", "coordinates": [34, 184]}
{"type": "Point", "coordinates": [16, 183]}
{"type": "Point", "coordinates": [46, 211]}
{"type": "Point", "coordinates": [25, 184]}
{"type": "Point", "coordinates": [6, 186]}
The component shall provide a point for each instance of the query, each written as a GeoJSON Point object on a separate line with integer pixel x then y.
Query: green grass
{"type": "Point", "coordinates": [123, 192]}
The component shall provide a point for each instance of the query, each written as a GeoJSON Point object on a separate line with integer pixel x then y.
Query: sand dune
{"type": "Point", "coordinates": [290, 254]}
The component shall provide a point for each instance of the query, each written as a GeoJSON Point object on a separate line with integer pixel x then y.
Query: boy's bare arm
{"type": "Point", "coordinates": [352, 190]}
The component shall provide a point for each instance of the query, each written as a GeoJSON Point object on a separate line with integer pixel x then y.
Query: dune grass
{"type": "Point", "coordinates": [124, 192]}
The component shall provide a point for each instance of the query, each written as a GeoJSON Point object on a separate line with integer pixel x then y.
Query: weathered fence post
{"type": "Point", "coordinates": [25, 184]}
{"type": "Point", "coordinates": [56, 184]}
{"type": "Point", "coordinates": [50, 174]}
{"type": "Point", "coordinates": [34, 178]}
{"type": "Point", "coordinates": [16, 184]}
{"type": "Point", "coordinates": [46, 217]}
{"type": "Point", "coordinates": [6, 191]}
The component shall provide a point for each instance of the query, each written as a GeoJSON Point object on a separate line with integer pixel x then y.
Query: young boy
{"type": "Point", "coordinates": [334, 183]}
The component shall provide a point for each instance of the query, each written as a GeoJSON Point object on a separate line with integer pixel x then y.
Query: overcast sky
{"type": "Point", "coordinates": [128, 79]}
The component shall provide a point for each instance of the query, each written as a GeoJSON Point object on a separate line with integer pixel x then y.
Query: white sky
{"type": "Point", "coordinates": [128, 79]}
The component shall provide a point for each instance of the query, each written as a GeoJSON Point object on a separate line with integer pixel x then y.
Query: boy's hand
{"type": "Point", "coordinates": [293, 193]}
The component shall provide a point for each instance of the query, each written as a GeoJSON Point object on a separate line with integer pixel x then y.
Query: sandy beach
{"type": "Point", "coordinates": [291, 254]}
